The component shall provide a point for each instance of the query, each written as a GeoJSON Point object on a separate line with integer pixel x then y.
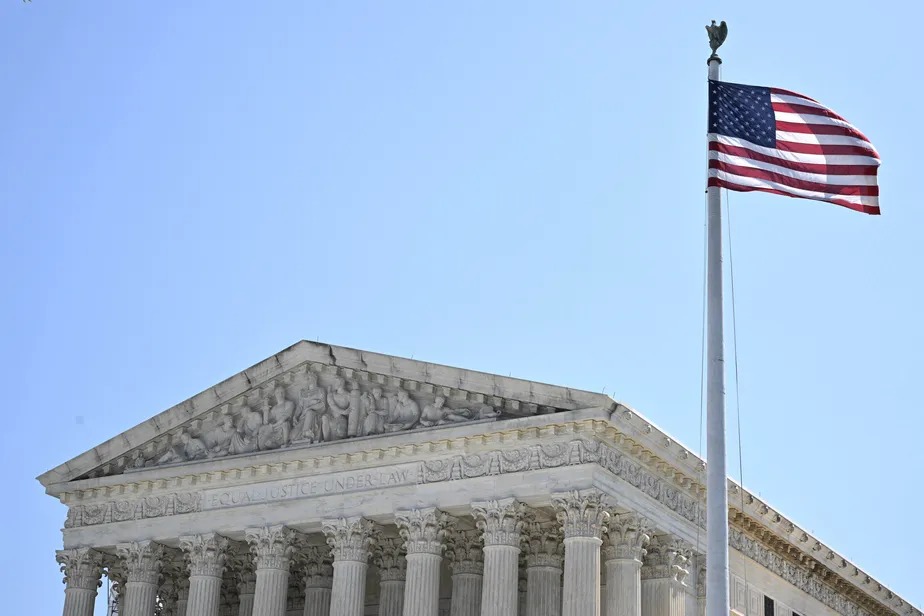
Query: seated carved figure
{"type": "Point", "coordinates": [335, 422]}
{"type": "Point", "coordinates": [377, 409]}
{"type": "Point", "coordinates": [404, 415]}
{"type": "Point", "coordinates": [438, 413]}
{"type": "Point", "coordinates": [312, 404]}
{"type": "Point", "coordinates": [248, 426]}
{"type": "Point", "coordinates": [277, 421]}
{"type": "Point", "coordinates": [218, 439]}
{"type": "Point", "coordinates": [187, 450]}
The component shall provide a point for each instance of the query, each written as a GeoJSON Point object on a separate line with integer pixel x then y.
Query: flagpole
{"type": "Point", "coordinates": [717, 601]}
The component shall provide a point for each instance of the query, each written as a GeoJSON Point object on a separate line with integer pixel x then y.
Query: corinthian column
{"type": "Point", "coordinates": [317, 578]}
{"type": "Point", "coordinates": [206, 556]}
{"type": "Point", "coordinates": [350, 540]}
{"type": "Point", "coordinates": [627, 537]}
{"type": "Point", "coordinates": [83, 570]}
{"type": "Point", "coordinates": [583, 517]}
{"type": "Point", "coordinates": [501, 522]}
{"type": "Point", "coordinates": [245, 578]}
{"type": "Point", "coordinates": [272, 548]}
{"type": "Point", "coordinates": [543, 546]}
{"type": "Point", "coordinates": [466, 562]}
{"type": "Point", "coordinates": [141, 562]}
{"type": "Point", "coordinates": [390, 558]}
{"type": "Point", "coordinates": [423, 531]}
{"type": "Point", "coordinates": [664, 571]}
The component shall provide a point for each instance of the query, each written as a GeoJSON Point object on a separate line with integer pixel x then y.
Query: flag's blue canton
{"type": "Point", "coordinates": [742, 111]}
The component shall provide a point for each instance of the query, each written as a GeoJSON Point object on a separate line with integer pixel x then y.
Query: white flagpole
{"type": "Point", "coordinates": [717, 601]}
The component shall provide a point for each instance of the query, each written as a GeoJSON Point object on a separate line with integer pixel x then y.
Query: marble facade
{"type": "Point", "coordinates": [336, 482]}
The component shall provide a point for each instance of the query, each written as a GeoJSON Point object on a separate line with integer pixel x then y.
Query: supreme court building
{"type": "Point", "coordinates": [331, 481]}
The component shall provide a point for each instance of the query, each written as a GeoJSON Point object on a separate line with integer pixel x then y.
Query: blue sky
{"type": "Point", "coordinates": [511, 187]}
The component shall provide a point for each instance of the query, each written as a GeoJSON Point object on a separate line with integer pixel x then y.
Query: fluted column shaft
{"type": "Point", "coordinates": [583, 517]}
{"type": "Point", "coordinates": [317, 576]}
{"type": "Point", "coordinates": [391, 598]}
{"type": "Point", "coordinates": [466, 594]}
{"type": "Point", "coordinates": [350, 540]}
{"type": "Point", "coordinates": [390, 558]}
{"type": "Point", "coordinates": [142, 562]}
{"type": "Point", "coordinates": [543, 590]}
{"type": "Point", "coordinates": [245, 607]}
{"type": "Point", "coordinates": [662, 577]}
{"type": "Point", "coordinates": [206, 555]}
{"type": "Point", "coordinates": [82, 569]}
{"type": "Point", "coordinates": [627, 536]}
{"type": "Point", "coordinates": [501, 522]}
{"type": "Point", "coordinates": [466, 562]}
{"type": "Point", "coordinates": [272, 549]}
{"type": "Point", "coordinates": [423, 531]}
{"type": "Point", "coordinates": [246, 585]}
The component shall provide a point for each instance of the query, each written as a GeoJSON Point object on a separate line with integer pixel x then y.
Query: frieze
{"type": "Point", "coordinates": [308, 405]}
{"type": "Point", "coordinates": [555, 455]}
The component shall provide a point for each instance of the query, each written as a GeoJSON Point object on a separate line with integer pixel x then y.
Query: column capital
{"type": "Point", "coordinates": [581, 513]}
{"type": "Point", "coordinates": [389, 557]}
{"type": "Point", "coordinates": [464, 551]}
{"type": "Point", "coordinates": [314, 567]}
{"type": "Point", "coordinates": [206, 554]}
{"type": "Point", "coordinates": [349, 538]}
{"type": "Point", "coordinates": [627, 535]}
{"type": "Point", "coordinates": [423, 530]}
{"type": "Point", "coordinates": [82, 568]}
{"type": "Point", "coordinates": [666, 557]}
{"type": "Point", "coordinates": [243, 569]}
{"type": "Point", "coordinates": [542, 544]}
{"type": "Point", "coordinates": [500, 520]}
{"type": "Point", "coordinates": [272, 547]}
{"type": "Point", "coordinates": [142, 560]}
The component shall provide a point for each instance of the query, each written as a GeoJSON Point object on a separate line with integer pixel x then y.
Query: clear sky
{"type": "Point", "coordinates": [190, 187]}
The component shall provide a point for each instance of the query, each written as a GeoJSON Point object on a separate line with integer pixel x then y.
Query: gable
{"type": "Point", "coordinates": [311, 393]}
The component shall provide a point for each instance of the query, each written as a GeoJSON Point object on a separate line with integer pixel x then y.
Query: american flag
{"type": "Point", "coordinates": [781, 142]}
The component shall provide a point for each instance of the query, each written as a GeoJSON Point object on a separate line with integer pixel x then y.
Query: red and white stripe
{"type": "Point", "coordinates": [818, 155]}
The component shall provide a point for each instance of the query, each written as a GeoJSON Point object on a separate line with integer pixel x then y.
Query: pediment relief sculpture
{"type": "Point", "coordinates": [306, 407]}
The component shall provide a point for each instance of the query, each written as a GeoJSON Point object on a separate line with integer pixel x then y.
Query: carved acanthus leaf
{"type": "Point", "coordinates": [581, 513]}
{"type": "Point", "coordinates": [350, 538]}
{"type": "Point", "coordinates": [82, 567]}
{"type": "Point", "coordinates": [423, 530]}
{"type": "Point", "coordinates": [272, 547]}
{"type": "Point", "coordinates": [501, 521]}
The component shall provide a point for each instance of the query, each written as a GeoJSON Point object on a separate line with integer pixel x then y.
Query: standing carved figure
{"type": "Point", "coordinates": [277, 421]}
{"type": "Point", "coordinates": [248, 426]}
{"type": "Point", "coordinates": [334, 423]}
{"type": "Point", "coordinates": [405, 414]}
{"type": "Point", "coordinates": [356, 418]}
{"type": "Point", "coordinates": [312, 404]}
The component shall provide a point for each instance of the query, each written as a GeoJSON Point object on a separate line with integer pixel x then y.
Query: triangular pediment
{"type": "Point", "coordinates": [314, 393]}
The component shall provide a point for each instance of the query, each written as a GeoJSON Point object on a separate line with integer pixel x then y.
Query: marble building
{"type": "Point", "coordinates": [332, 481]}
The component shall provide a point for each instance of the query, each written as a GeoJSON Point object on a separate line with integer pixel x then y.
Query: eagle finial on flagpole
{"type": "Point", "coordinates": [717, 34]}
